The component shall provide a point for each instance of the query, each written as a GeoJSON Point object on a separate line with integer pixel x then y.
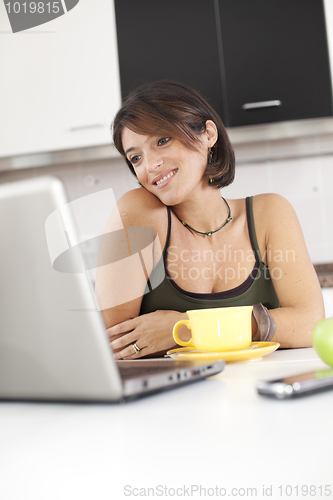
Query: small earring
{"type": "Point", "coordinates": [210, 156]}
{"type": "Point", "coordinates": [211, 180]}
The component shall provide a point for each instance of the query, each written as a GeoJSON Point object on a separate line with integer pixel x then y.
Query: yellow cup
{"type": "Point", "coordinates": [217, 329]}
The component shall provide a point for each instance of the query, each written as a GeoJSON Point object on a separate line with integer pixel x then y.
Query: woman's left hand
{"type": "Point", "coordinates": [152, 333]}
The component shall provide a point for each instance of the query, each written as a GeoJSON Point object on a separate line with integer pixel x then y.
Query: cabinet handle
{"type": "Point", "coordinates": [83, 127]}
{"type": "Point", "coordinates": [262, 104]}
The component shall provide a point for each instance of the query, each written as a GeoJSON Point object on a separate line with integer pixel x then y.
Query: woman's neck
{"type": "Point", "coordinates": [205, 211]}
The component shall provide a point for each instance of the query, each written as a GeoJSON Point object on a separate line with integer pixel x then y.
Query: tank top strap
{"type": "Point", "coordinates": [251, 228]}
{"type": "Point", "coordinates": [167, 241]}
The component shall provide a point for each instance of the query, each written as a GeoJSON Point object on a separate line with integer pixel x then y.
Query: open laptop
{"type": "Point", "coordinates": [53, 344]}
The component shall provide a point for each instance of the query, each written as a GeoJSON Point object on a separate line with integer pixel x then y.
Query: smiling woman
{"type": "Point", "coordinates": [177, 147]}
{"type": "Point", "coordinates": [174, 110]}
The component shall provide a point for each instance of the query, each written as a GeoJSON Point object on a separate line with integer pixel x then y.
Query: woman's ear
{"type": "Point", "coordinates": [211, 133]}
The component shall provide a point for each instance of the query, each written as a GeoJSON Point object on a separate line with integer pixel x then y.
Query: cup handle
{"type": "Point", "coordinates": [187, 323]}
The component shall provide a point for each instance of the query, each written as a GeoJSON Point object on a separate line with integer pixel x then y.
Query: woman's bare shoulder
{"type": "Point", "coordinates": [274, 213]}
{"type": "Point", "coordinates": [138, 208]}
{"type": "Point", "coordinates": [272, 206]}
{"type": "Point", "coordinates": [267, 208]}
{"type": "Point", "coordinates": [262, 204]}
{"type": "Point", "coordinates": [270, 199]}
{"type": "Point", "coordinates": [141, 197]}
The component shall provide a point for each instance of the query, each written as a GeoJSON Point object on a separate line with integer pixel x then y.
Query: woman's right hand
{"type": "Point", "coordinates": [152, 333]}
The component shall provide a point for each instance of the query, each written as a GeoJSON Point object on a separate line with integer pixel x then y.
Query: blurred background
{"type": "Point", "coordinates": [266, 67]}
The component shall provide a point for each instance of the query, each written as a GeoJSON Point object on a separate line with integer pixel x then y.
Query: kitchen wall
{"type": "Point", "coordinates": [301, 169]}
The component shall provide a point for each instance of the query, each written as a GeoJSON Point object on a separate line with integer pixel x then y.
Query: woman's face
{"type": "Point", "coordinates": [165, 166]}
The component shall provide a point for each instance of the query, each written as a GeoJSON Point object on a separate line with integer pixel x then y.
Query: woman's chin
{"type": "Point", "coordinates": [168, 198]}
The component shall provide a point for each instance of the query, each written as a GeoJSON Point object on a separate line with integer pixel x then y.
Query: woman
{"type": "Point", "coordinates": [216, 252]}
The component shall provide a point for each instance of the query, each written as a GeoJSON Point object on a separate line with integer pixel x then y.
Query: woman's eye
{"type": "Point", "coordinates": [163, 141]}
{"type": "Point", "coordinates": [135, 159]}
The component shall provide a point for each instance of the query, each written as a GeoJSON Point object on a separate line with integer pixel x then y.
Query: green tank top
{"type": "Point", "coordinates": [163, 293]}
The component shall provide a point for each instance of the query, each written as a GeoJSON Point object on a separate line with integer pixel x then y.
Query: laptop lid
{"type": "Point", "coordinates": [47, 350]}
{"type": "Point", "coordinates": [53, 344]}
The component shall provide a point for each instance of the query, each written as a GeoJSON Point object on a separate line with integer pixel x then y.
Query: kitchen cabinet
{"type": "Point", "coordinates": [59, 82]}
{"type": "Point", "coordinates": [255, 62]}
{"type": "Point", "coordinates": [174, 40]}
{"type": "Point", "coordinates": [276, 60]}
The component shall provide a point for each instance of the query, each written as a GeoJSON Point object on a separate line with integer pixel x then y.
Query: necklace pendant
{"type": "Point", "coordinates": [229, 218]}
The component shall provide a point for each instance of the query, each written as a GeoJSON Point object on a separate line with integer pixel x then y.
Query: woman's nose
{"type": "Point", "coordinates": [153, 162]}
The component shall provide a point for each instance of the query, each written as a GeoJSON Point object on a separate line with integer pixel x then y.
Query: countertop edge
{"type": "Point", "coordinates": [325, 274]}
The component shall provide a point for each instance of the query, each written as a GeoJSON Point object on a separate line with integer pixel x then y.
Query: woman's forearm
{"type": "Point", "coordinates": [294, 325]}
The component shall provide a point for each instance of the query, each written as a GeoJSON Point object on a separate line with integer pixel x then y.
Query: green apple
{"type": "Point", "coordinates": [322, 338]}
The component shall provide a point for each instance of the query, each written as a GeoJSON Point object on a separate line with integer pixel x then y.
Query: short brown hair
{"type": "Point", "coordinates": [174, 109]}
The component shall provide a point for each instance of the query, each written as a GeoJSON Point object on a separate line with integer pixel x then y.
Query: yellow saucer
{"type": "Point", "coordinates": [254, 351]}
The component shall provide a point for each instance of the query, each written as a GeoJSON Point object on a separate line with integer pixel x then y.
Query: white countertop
{"type": "Point", "coordinates": [215, 433]}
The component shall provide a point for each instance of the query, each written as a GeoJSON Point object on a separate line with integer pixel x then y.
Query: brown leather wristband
{"type": "Point", "coordinates": [265, 323]}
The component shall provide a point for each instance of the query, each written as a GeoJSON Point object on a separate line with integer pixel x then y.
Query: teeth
{"type": "Point", "coordinates": [166, 177]}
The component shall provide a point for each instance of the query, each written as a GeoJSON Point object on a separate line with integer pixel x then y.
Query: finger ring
{"type": "Point", "coordinates": [136, 348]}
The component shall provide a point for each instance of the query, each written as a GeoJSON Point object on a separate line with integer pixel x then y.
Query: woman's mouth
{"type": "Point", "coordinates": [163, 180]}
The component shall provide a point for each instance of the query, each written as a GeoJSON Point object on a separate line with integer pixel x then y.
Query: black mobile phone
{"type": "Point", "coordinates": [297, 385]}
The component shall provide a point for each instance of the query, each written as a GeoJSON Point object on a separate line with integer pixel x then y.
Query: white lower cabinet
{"type": "Point", "coordinates": [328, 301]}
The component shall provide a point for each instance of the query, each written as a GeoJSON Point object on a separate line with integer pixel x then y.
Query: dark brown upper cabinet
{"type": "Point", "coordinates": [255, 61]}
